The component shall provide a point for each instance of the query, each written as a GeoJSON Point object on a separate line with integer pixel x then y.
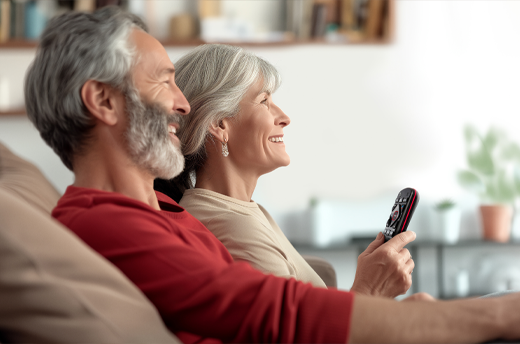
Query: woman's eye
{"type": "Point", "coordinates": [264, 101]}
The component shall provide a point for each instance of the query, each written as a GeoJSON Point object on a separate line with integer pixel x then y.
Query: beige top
{"type": "Point", "coordinates": [249, 233]}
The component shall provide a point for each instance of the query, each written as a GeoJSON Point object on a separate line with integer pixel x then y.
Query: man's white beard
{"type": "Point", "coordinates": [149, 142]}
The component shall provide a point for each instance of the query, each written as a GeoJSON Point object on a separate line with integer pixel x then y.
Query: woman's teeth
{"type": "Point", "coordinates": [276, 139]}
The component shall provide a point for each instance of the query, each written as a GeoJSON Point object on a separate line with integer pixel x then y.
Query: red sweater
{"type": "Point", "coordinates": [190, 277]}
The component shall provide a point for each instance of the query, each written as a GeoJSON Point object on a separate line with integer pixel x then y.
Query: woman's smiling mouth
{"type": "Point", "coordinates": [276, 139]}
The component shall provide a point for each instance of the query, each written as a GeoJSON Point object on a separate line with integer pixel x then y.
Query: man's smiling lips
{"type": "Point", "coordinates": [172, 130]}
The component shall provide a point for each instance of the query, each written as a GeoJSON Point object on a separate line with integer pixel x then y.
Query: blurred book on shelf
{"type": "Point", "coordinates": [299, 18]}
{"type": "Point", "coordinates": [35, 19]}
{"type": "Point", "coordinates": [319, 20]}
{"type": "Point", "coordinates": [183, 27]}
{"type": "Point", "coordinates": [340, 20]}
{"type": "Point", "coordinates": [5, 20]}
{"type": "Point", "coordinates": [367, 20]}
{"type": "Point", "coordinates": [325, 17]}
{"type": "Point", "coordinates": [84, 5]}
{"type": "Point", "coordinates": [24, 20]}
{"type": "Point", "coordinates": [209, 9]}
{"type": "Point", "coordinates": [18, 19]}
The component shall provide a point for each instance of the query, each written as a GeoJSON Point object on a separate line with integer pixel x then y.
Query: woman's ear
{"type": "Point", "coordinates": [220, 130]}
{"type": "Point", "coordinates": [100, 99]}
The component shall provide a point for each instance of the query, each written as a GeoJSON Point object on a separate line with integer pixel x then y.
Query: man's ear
{"type": "Point", "coordinates": [100, 100]}
{"type": "Point", "coordinates": [220, 130]}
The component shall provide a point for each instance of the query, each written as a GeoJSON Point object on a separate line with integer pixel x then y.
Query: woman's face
{"type": "Point", "coordinates": [256, 133]}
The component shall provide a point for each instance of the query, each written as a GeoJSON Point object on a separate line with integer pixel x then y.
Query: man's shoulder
{"type": "Point", "coordinates": [93, 209]}
{"type": "Point", "coordinates": [86, 200]}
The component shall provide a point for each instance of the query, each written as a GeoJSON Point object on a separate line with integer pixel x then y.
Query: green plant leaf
{"type": "Point", "coordinates": [492, 138]}
{"type": "Point", "coordinates": [493, 165]}
{"type": "Point", "coordinates": [511, 152]}
{"type": "Point", "coordinates": [505, 189]}
{"type": "Point", "coordinates": [471, 181]}
{"type": "Point", "coordinates": [481, 161]}
{"type": "Point", "coordinates": [478, 153]}
{"type": "Point", "coordinates": [444, 205]}
{"type": "Point", "coordinates": [491, 194]}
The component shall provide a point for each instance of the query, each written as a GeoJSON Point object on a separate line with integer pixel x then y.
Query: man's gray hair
{"type": "Point", "coordinates": [214, 78]}
{"type": "Point", "coordinates": [74, 48]}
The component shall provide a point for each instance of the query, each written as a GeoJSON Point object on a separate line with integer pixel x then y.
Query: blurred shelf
{"type": "Point", "coordinates": [432, 262]}
{"type": "Point", "coordinates": [25, 44]}
{"type": "Point", "coordinates": [18, 44]}
{"type": "Point", "coordinates": [14, 112]}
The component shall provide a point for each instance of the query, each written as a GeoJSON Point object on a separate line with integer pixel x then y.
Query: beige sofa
{"type": "Point", "coordinates": [53, 288]}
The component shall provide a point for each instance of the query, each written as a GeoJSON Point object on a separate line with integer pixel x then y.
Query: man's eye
{"type": "Point", "coordinates": [264, 101]}
{"type": "Point", "coordinates": [167, 82]}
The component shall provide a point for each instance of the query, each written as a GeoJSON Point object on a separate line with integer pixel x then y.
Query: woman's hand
{"type": "Point", "coordinates": [385, 269]}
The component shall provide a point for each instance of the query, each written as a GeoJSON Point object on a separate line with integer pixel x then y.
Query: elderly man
{"type": "Point", "coordinates": [102, 93]}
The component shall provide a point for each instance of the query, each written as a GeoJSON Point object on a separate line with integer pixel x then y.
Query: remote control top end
{"type": "Point", "coordinates": [402, 212]}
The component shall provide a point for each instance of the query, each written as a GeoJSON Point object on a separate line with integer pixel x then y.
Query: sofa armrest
{"type": "Point", "coordinates": [23, 179]}
{"type": "Point", "coordinates": [324, 269]}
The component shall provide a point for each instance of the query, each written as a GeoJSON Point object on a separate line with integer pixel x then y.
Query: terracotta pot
{"type": "Point", "coordinates": [496, 222]}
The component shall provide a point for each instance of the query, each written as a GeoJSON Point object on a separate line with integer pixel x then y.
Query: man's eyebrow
{"type": "Point", "coordinates": [168, 71]}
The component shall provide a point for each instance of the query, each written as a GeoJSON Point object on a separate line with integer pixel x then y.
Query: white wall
{"type": "Point", "coordinates": [356, 110]}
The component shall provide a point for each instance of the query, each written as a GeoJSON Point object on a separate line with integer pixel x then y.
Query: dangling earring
{"type": "Point", "coordinates": [225, 151]}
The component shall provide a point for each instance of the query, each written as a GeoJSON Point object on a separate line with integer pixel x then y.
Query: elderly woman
{"type": "Point", "coordinates": [233, 135]}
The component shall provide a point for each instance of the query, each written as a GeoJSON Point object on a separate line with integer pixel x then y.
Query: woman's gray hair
{"type": "Point", "coordinates": [74, 48]}
{"type": "Point", "coordinates": [214, 78]}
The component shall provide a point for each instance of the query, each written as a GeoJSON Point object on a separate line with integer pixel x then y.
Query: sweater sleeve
{"type": "Point", "coordinates": [197, 290]}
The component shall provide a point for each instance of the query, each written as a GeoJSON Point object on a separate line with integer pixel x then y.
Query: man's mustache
{"type": "Point", "coordinates": [175, 118]}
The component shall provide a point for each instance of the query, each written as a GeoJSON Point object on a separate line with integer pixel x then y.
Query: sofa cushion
{"type": "Point", "coordinates": [53, 288]}
{"type": "Point", "coordinates": [26, 181]}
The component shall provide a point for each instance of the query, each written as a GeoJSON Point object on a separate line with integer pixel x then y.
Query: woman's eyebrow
{"type": "Point", "coordinates": [263, 92]}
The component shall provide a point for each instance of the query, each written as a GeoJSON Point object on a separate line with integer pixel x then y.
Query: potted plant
{"type": "Point", "coordinates": [494, 174]}
{"type": "Point", "coordinates": [449, 216]}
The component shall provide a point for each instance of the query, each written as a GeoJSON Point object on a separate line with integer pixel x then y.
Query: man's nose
{"type": "Point", "coordinates": [180, 103]}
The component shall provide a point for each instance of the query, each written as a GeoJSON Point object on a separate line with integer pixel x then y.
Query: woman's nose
{"type": "Point", "coordinates": [282, 118]}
